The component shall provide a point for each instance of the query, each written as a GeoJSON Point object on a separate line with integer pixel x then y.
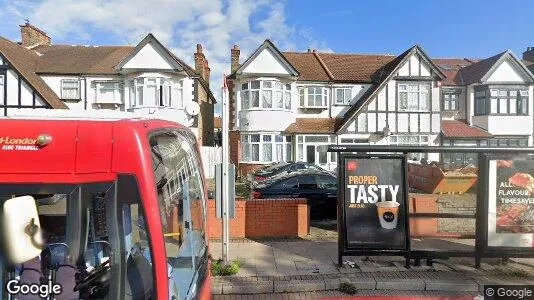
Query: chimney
{"type": "Point", "coordinates": [234, 58]}
{"type": "Point", "coordinates": [529, 54]}
{"type": "Point", "coordinates": [32, 36]}
{"type": "Point", "coordinates": [201, 64]}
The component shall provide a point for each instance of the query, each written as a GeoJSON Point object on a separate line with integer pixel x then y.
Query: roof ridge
{"type": "Point", "coordinates": [325, 67]}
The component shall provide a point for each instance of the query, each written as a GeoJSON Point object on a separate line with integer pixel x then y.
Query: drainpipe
{"type": "Point", "coordinates": [85, 92]}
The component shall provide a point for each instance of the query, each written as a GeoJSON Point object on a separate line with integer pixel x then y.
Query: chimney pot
{"type": "Point", "coordinates": [199, 48]}
{"type": "Point", "coordinates": [529, 54]}
{"type": "Point", "coordinates": [236, 47]}
{"type": "Point", "coordinates": [309, 50]}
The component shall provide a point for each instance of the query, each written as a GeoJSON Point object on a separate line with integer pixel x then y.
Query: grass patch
{"type": "Point", "coordinates": [519, 273]}
{"type": "Point", "coordinates": [347, 288]}
{"type": "Point", "coordinates": [218, 268]}
{"type": "Point", "coordinates": [242, 190]}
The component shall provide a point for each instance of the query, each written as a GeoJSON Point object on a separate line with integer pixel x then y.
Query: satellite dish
{"type": "Point", "coordinates": [192, 108]}
{"type": "Point", "coordinates": [243, 121]}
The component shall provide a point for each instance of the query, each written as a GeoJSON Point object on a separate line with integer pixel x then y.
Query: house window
{"type": "Point", "coordinates": [313, 97]}
{"type": "Point", "coordinates": [509, 142]}
{"type": "Point", "coordinates": [268, 94]}
{"type": "Point", "coordinates": [2, 86]}
{"type": "Point", "coordinates": [108, 92]}
{"type": "Point", "coordinates": [354, 141]}
{"type": "Point", "coordinates": [266, 148]}
{"type": "Point", "coordinates": [414, 96]}
{"type": "Point", "coordinates": [343, 95]}
{"type": "Point", "coordinates": [70, 89]}
{"type": "Point", "coordinates": [501, 101]}
{"type": "Point", "coordinates": [450, 101]}
{"type": "Point", "coordinates": [157, 91]}
{"type": "Point", "coordinates": [410, 140]}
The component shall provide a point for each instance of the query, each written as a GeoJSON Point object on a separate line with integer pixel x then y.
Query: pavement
{"type": "Point", "coordinates": [306, 269]}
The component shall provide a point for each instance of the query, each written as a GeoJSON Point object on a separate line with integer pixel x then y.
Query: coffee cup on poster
{"type": "Point", "coordinates": [388, 213]}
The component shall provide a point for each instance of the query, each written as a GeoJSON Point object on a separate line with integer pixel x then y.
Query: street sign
{"type": "Point", "coordinates": [372, 204]}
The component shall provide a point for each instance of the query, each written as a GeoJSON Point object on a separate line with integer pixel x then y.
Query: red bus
{"type": "Point", "coordinates": [121, 210]}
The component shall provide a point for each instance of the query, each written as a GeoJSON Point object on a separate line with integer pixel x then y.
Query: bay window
{"type": "Point", "coordinates": [313, 97]}
{"type": "Point", "coordinates": [70, 89]}
{"type": "Point", "coordinates": [343, 95]}
{"type": "Point", "coordinates": [266, 148]}
{"type": "Point", "coordinates": [269, 94]}
{"type": "Point", "coordinates": [157, 91]}
{"type": "Point", "coordinates": [414, 96]}
{"type": "Point", "coordinates": [501, 101]}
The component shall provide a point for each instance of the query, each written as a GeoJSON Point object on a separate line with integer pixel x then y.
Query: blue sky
{"type": "Point", "coordinates": [453, 28]}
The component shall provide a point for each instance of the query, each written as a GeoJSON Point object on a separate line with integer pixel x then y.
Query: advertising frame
{"type": "Point", "coordinates": [343, 246]}
{"type": "Point", "coordinates": [483, 247]}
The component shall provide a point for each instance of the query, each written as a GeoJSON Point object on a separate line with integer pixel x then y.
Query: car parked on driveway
{"type": "Point", "coordinates": [318, 187]}
{"type": "Point", "coordinates": [279, 168]}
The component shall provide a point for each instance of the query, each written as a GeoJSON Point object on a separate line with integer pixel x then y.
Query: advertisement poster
{"type": "Point", "coordinates": [511, 203]}
{"type": "Point", "coordinates": [375, 204]}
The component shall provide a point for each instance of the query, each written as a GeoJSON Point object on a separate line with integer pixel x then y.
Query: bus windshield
{"type": "Point", "coordinates": [180, 192]}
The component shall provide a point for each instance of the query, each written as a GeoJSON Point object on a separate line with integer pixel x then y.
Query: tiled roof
{"type": "Point", "coordinates": [457, 129]}
{"type": "Point", "coordinates": [24, 61]}
{"type": "Point", "coordinates": [309, 67]}
{"type": "Point", "coordinates": [312, 125]}
{"type": "Point", "coordinates": [474, 72]}
{"type": "Point", "coordinates": [64, 59]}
{"type": "Point", "coordinates": [451, 68]}
{"type": "Point", "coordinates": [354, 67]}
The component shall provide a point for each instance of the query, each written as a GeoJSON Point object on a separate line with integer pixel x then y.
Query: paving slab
{"type": "Point", "coordinates": [451, 285]}
{"type": "Point", "coordinates": [299, 286]}
{"type": "Point", "coordinates": [249, 288]}
{"type": "Point", "coordinates": [400, 284]}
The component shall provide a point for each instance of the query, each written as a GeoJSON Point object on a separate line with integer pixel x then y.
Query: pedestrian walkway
{"type": "Point", "coordinates": [304, 266]}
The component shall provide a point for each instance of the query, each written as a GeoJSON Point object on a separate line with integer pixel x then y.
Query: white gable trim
{"type": "Point", "coordinates": [516, 66]}
{"type": "Point", "coordinates": [149, 48]}
{"type": "Point", "coordinates": [267, 51]}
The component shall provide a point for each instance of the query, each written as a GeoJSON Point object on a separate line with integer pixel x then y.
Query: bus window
{"type": "Point", "coordinates": [68, 258]}
{"type": "Point", "coordinates": [139, 280]}
{"type": "Point", "coordinates": [180, 191]}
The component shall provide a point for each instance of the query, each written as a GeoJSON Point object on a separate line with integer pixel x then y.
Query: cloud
{"type": "Point", "coordinates": [178, 24]}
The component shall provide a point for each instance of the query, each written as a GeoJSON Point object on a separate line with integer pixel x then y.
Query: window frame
{"type": "Point", "coordinates": [78, 89]}
{"type": "Point", "coordinates": [304, 94]}
{"type": "Point", "coordinates": [100, 86]}
{"type": "Point", "coordinates": [445, 101]}
{"type": "Point", "coordinates": [275, 140]}
{"type": "Point", "coordinates": [344, 91]}
{"type": "Point", "coordinates": [489, 101]}
{"type": "Point", "coordinates": [277, 87]}
{"type": "Point", "coordinates": [140, 85]}
{"type": "Point", "coordinates": [421, 86]}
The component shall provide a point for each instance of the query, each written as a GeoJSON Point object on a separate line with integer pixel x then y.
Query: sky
{"type": "Point", "coordinates": [443, 28]}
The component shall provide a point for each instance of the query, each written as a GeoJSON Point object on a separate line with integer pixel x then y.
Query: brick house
{"type": "Point", "coordinates": [286, 104]}
{"type": "Point", "coordinates": [146, 80]}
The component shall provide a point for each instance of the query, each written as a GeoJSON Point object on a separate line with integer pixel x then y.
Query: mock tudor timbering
{"type": "Point", "coordinates": [286, 104]}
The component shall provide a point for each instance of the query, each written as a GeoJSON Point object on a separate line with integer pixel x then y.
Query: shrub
{"type": "Point", "coordinates": [218, 268]}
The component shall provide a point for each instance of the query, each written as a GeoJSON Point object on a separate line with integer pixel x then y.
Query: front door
{"type": "Point", "coordinates": [310, 154]}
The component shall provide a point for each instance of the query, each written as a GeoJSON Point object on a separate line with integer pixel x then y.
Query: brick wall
{"type": "Point", "coordinates": [462, 204]}
{"type": "Point", "coordinates": [245, 168]}
{"type": "Point", "coordinates": [263, 218]}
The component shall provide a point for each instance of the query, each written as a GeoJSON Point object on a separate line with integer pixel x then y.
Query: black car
{"type": "Point", "coordinates": [318, 187]}
{"type": "Point", "coordinates": [281, 168]}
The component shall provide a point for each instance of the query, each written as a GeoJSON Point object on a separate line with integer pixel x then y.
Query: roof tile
{"type": "Point", "coordinates": [312, 125]}
{"type": "Point", "coordinates": [457, 129]}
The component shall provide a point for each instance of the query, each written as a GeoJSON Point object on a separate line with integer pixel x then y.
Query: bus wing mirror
{"type": "Point", "coordinates": [22, 234]}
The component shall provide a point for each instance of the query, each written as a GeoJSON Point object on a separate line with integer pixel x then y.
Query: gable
{"type": "Point", "coordinates": [267, 59]}
{"type": "Point", "coordinates": [267, 63]}
{"type": "Point", "coordinates": [506, 72]}
{"type": "Point", "coordinates": [415, 65]}
{"type": "Point", "coordinates": [149, 57]}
